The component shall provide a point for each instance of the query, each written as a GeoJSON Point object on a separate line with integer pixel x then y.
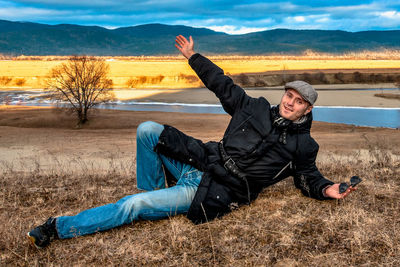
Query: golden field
{"type": "Point", "coordinates": [174, 72]}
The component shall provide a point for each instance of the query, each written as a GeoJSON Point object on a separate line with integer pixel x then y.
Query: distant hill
{"type": "Point", "coordinates": [25, 38]}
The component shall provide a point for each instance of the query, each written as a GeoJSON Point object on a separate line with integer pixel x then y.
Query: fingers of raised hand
{"type": "Point", "coordinates": [179, 48]}
{"type": "Point", "coordinates": [181, 40]}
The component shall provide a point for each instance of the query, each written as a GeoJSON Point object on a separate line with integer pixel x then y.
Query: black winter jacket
{"type": "Point", "coordinates": [252, 140]}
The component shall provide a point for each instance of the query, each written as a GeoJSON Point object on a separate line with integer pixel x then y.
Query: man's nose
{"type": "Point", "coordinates": [290, 102]}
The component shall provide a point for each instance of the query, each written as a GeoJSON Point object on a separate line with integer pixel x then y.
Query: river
{"type": "Point", "coordinates": [359, 116]}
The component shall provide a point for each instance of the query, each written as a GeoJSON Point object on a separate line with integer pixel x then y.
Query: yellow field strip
{"type": "Point", "coordinates": [32, 73]}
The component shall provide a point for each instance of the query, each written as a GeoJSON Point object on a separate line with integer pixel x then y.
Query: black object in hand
{"type": "Point", "coordinates": [343, 187]}
{"type": "Point", "coordinates": [355, 180]}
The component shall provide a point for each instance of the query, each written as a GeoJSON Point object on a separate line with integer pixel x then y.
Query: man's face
{"type": "Point", "coordinates": [293, 106]}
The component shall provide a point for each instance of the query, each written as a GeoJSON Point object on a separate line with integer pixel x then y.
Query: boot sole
{"type": "Point", "coordinates": [32, 240]}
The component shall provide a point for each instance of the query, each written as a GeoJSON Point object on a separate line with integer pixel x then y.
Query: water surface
{"type": "Point", "coordinates": [360, 116]}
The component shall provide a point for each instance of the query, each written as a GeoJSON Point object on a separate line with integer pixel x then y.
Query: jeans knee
{"type": "Point", "coordinates": [133, 207]}
{"type": "Point", "coordinates": [149, 128]}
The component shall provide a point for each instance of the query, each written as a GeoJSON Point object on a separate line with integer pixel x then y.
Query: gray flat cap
{"type": "Point", "coordinates": [305, 90]}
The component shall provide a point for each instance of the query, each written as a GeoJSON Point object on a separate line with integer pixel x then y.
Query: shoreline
{"type": "Point", "coordinates": [356, 116]}
{"type": "Point", "coordinates": [330, 96]}
{"type": "Point", "coordinates": [348, 95]}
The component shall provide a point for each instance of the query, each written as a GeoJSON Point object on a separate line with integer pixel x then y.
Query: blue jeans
{"type": "Point", "coordinates": [151, 205]}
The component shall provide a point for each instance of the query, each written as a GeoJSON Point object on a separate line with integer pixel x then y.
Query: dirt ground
{"type": "Point", "coordinates": [42, 137]}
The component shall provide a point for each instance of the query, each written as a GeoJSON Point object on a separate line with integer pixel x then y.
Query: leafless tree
{"type": "Point", "coordinates": [81, 82]}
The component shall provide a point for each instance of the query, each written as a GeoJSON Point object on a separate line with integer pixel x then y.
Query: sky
{"type": "Point", "coordinates": [230, 16]}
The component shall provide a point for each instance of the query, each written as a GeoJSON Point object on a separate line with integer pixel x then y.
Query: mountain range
{"type": "Point", "coordinates": [26, 38]}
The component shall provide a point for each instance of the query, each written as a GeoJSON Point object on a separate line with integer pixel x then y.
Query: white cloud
{"type": "Point", "coordinates": [264, 21]}
{"type": "Point", "coordinates": [109, 27]}
{"type": "Point", "coordinates": [351, 8]}
{"type": "Point", "coordinates": [299, 19]}
{"type": "Point", "coordinates": [388, 19]}
{"type": "Point", "coordinates": [295, 20]}
{"type": "Point", "coordinates": [230, 29]}
{"type": "Point", "coordinates": [389, 14]}
{"type": "Point", "coordinates": [266, 8]}
{"type": "Point", "coordinates": [69, 3]}
{"type": "Point", "coordinates": [233, 17]}
{"type": "Point", "coordinates": [323, 20]}
{"type": "Point", "coordinates": [14, 13]}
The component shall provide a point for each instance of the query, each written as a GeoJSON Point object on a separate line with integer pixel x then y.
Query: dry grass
{"type": "Point", "coordinates": [281, 227]}
{"type": "Point", "coordinates": [308, 54]}
{"type": "Point", "coordinates": [146, 72]}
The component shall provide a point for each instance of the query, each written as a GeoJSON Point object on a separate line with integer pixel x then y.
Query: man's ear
{"type": "Point", "coordinates": [308, 109]}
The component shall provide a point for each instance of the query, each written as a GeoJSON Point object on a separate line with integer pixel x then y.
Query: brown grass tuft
{"type": "Point", "coordinates": [137, 81]}
{"type": "Point", "coordinates": [188, 78]}
{"type": "Point", "coordinates": [5, 80]}
{"type": "Point", "coordinates": [20, 81]}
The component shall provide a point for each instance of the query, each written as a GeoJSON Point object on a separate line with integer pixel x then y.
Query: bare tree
{"type": "Point", "coordinates": [81, 82]}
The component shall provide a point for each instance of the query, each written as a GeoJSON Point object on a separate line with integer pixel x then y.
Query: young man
{"type": "Point", "coordinates": [262, 145]}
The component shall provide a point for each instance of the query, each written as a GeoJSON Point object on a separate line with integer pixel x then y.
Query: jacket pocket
{"type": "Point", "coordinates": [217, 201]}
{"type": "Point", "coordinates": [243, 138]}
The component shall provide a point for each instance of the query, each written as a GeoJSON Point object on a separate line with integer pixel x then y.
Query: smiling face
{"type": "Point", "coordinates": [293, 106]}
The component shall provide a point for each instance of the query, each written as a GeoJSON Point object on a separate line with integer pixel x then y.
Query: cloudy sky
{"type": "Point", "coordinates": [229, 16]}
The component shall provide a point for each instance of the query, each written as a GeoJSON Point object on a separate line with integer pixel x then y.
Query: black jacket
{"type": "Point", "coordinates": [253, 141]}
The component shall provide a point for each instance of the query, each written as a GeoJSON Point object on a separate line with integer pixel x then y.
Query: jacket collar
{"type": "Point", "coordinates": [301, 126]}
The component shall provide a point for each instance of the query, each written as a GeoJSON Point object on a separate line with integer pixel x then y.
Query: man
{"type": "Point", "coordinates": [261, 146]}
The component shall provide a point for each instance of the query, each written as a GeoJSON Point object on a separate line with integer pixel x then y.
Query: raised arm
{"type": "Point", "coordinates": [232, 96]}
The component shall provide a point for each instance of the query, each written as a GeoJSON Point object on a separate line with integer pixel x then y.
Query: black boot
{"type": "Point", "coordinates": [42, 235]}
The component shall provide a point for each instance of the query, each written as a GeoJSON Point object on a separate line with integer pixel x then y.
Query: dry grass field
{"type": "Point", "coordinates": [47, 168]}
{"type": "Point", "coordinates": [174, 72]}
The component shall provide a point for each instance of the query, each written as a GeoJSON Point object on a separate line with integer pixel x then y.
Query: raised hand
{"type": "Point", "coordinates": [185, 46]}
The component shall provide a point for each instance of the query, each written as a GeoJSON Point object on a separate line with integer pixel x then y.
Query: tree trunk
{"type": "Point", "coordinates": [82, 118]}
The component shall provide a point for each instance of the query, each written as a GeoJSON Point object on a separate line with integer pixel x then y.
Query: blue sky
{"type": "Point", "coordinates": [229, 16]}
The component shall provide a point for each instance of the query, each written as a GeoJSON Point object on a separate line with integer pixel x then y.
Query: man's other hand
{"type": "Point", "coordinates": [185, 46]}
{"type": "Point", "coordinates": [333, 191]}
